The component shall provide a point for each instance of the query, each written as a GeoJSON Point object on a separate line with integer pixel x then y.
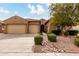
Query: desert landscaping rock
{"type": "Point", "coordinates": [63, 45]}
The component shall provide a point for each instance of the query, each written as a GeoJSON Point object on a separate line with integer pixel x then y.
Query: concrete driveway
{"type": "Point", "coordinates": [18, 43]}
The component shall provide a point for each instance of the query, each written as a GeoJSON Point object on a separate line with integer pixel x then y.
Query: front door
{"type": "Point", "coordinates": [42, 29]}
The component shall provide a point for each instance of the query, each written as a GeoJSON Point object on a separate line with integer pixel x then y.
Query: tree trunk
{"type": "Point", "coordinates": [65, 28]}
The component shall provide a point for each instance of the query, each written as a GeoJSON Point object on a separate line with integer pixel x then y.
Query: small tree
{"type": "Point", "coordinates": [64, 15]}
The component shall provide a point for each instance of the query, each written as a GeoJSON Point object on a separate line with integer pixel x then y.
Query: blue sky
{"type": "Point", "coordinates": [26, 10]}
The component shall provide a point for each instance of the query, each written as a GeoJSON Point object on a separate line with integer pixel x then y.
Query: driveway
{"type": "Point", "coordinates": [18, 43]}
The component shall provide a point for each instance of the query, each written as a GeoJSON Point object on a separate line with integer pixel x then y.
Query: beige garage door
{"type": "Point", "coordinates": [16, 28]}
{"type": "Point", "coordinates": [34, 29]}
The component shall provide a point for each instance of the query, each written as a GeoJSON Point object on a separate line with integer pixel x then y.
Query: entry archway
{"type": "Point", "coordinates": [42, 28]}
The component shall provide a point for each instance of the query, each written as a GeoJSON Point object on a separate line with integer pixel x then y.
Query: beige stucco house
{"type": "Point", "coordinates": [18, 24]}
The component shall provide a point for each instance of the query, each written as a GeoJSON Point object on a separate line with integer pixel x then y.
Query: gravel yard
{"type": "Point", "coordinates": [66, 44]}
{"type": "Point", "coordinates": [16, 43]}
{"type": "Point", "coordinates": [63, 45]}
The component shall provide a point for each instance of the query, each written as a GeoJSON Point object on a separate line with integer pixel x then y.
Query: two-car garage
{"type": "Point", "coordinates": [22, 29]}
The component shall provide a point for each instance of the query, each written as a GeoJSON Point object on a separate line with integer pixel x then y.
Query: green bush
{"type": "Point", "coordinates": [56, 32]}
{"type": "Point", "coordinates": [38, 40]}
{"type": "Point", "coordinates": [73, 32]}
{"type": "Point", "coordinates": [76, 42]}
{"type": "Point", "coordinates": [66, 33]}
{"type": "Point", "coordinates": [49, 33]}
{"type": "Point", "coordinates": [52, 37]}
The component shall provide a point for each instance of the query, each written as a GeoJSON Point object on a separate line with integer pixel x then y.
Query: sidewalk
{"type": "Point", "coordinates": [39, 54]}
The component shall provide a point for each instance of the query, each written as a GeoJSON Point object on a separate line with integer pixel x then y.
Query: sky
{"type": "Point", "coordinates": [25, 10]}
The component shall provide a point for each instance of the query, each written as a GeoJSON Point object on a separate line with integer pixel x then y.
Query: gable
{"type": "Point", "coordinates": [15, 20]}
{"type": "Point", "coordinates": [43, 21]}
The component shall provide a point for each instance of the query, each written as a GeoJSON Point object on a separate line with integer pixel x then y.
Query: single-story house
{"type": "Point", "coordinates": [18, 24]}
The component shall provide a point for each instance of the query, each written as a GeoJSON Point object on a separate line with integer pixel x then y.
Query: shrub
{"type": "Point", "coordinates": [66, 33]}
{"type": "Point", "coordinates": [56, 32]}
{"type": "Point", "coordinates": [49, 33]}
{"type": "Point", "coordinates": [52, 37]}
{"type": "Point", "coordinates": [73, 32]}
{"type": "Point", "coordinates": [76, 42]}
{"type": "Point", "coordinates": [38, 40]}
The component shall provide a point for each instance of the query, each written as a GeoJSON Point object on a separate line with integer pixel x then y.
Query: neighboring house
{"type": "Point", "coordinates": [18, 24]}
{"type": "Point", "coordinates": [1, 27]}
{"type": "Point", "coordinates": [75, 27]}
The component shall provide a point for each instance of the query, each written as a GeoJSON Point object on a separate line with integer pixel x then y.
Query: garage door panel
{"type": "Point", "coordinates": [16, 28]}
{"type": "Point", "coordinates": [34, 29]}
